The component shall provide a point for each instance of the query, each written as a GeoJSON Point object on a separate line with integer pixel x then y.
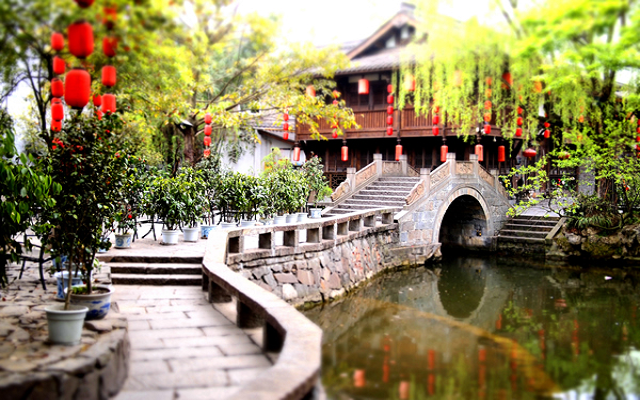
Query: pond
{"type": "Point", "coordinates": [487, 328]}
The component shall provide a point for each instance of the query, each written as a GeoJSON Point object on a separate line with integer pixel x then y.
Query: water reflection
{"type": "Point", "coordinates": [480, 328]}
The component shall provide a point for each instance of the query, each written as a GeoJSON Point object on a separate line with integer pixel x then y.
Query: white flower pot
{"type": "Point", "coordinates": [191, 234]}
{"type": "Point", "coordinates": [279, 219]}
{"type": "Point", "coordinates": [123, 241]}
{"type": "Point", "coordinates": [247, 223]}
{"type": "Point", "coordinates": [205, 229]}
{"type": "Point", "coordinates": [227, 225]}
{"type": "Point", "coordinates": [98, 304]}
{"type": "Point", "coordinates": [302, 216]}
{"type": "Point", "coordinates": [170, 237]}
{"type": "Point", "coordinates": [291, 218]}
{"type": "Point", "coordinates": [316, 212]}
{"type": "Point", "coordinates": [65, 327]}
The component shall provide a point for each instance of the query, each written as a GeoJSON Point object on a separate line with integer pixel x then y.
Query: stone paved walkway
{"type": "Point", "coordinates": [183, 347]}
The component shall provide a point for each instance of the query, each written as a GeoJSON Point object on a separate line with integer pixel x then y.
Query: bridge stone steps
{"type": "Point", "coordinates": [525, 234]}
{"type": "Point", "coordinates": [374, 202]}
{"type": "Point", "coordinates": [149, 270]}
{"type": "Point", "coordinates": [395, 194]}
{"type": "Point", "coordinates": [518, 239]}
{"type": "Point", "coordinates": [390, 187]}
{"type": "Point", "coordinates": [512, 225]}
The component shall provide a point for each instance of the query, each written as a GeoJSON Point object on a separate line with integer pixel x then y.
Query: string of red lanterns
{"type": "Point", "coordinates": [547, 132]}
{"type": "Point", "coordinates": [390, 101]}
{"type": "Point", "coordinates": [207, 134]}
{"type": "Point", "coordinates": [285, 125]}
{"type": "Point", "coordinates": [436, 121]}
{"type": "Point", "coordinates": [519, 121]}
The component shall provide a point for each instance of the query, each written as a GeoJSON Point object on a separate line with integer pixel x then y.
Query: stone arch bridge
{"type": "Point", "coordinates": [459, 204]}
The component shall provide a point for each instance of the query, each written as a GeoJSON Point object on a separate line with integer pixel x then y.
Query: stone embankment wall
{"type": "Point", "coordinates": [590, 243]}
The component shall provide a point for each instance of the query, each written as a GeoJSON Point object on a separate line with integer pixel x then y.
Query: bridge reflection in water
{"type": "Point", "coordinates": [479, 328]}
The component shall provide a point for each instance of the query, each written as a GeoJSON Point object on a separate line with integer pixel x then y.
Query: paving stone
{"type": "Point", "coordinates": [146, 344]}
{"type": "Point", "coordinates": [243, 376]}
{"type": "Point", "coordinates": [213, 320]}
{"type": "Point", "coordinates": [241, 349]}
{"type": "Point", "coordinates": [156, 315]}
{"type": "Point", "coordinates": [13, 311]}
{"type": "Point", "coordinates": [175, 353]}
{"type": "Point", "coordinates": [148, 367]}
{"type": "Point", "coordinates": [139, 325]}
{"type": "Point", "coordinates": [99, 326]}
{"type": "Point", "coordinates": [164, 334]}
{"type": "Point", "coordinates": [222, 330]}
{"type": "Point", "coordinates": [208, 393]}
{"type": "Point", "coordinates": [206, 341]}
{"type": "Point", "coordinates": [145, 395]}
{"type": "Point", "coordinates": [210, 363]}
{"type": "Point", "coordinates": [195, 379]}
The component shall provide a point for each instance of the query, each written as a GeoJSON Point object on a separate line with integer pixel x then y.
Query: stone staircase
{"type": "Point", "coordinates": [526, 234]}
{"type": "Point", "coordinates": [185, 271]}
{"type": "Point", "coordinates": [387, 191]}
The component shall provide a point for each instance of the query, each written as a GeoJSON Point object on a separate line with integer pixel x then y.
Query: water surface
{"type": "Point", "coordinates": [485, 328]}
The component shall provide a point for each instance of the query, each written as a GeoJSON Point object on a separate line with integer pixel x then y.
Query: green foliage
{"type": "Point", "coordinates": [317, 183]}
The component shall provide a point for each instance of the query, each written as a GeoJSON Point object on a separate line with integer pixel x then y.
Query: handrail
{"type": "Point", "coordinates": [416, 192]}
{"type": "Point", "coordinates": [365, 174]}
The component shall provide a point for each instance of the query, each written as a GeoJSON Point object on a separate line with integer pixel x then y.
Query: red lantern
{"type": "Point", "coordinates": [436, 131]}
{"type": "Point", "coordinates": [508, 79]}
{"type": "Point", "coordinates": [444, 149]}
{"type": "Point", "coordinates": [637, 138]}
{"type": "Point", "coordinates": [390, 99]}
{"type": "Point", "coordinates": [311, 91]}
{"type": "Point", "coordinates": [638, 129]}
{"type": "Point", "coordinates": [57, 87]}
{"type": "Point", "coordinates": [519, 121]}
{"type": "Point", "coordinates": [110, 17]}
{"type": "Point", "coordinates": [489, 80]}
{"type": "Point", "coordinates": [285, 116]}
{"type": "Point", "coordinates": [109, 75]}
{"type": "Point", "coordinates": [335, 102]}
{"type": "Point", "coordinates": [57, 41]}
{"type": "Point", "coordinates": [207, 130]}
{"type": "Point", "coordinates": [77, 88]}
{"type": "Point", "coordinates": [389, 88]}
{"type": "Point", "coordinates": [97, 100]}
{"type": "Point", "coordinates": [537, 86]}
{"type": "Point", "coordinates": [390, 110]}
{"type": "Point", "coordinates": [390, 131]}
{"type": "Point", "coordinates": [99, 115]}
{"type": "Point", "coordinates": [56, 126]}
{"type": "Point", "coordinates": [519, 110]}
{"type": "Point", "coordinates": [487, 117]}
{"type": "Point", "coordinates": [518, 132]}
{"type": "Point", "coordinates": [345, 153]}
{"type": "Point", "coordinates": [57, 112]}
{"type": "Point", "coordinates": [436, 119]}
{"type": "Point", "coordinates": [530, 153]}
{"type": "Point", "coordinates": [109, 46]}
{"type": "Point", "coordinates": [84, 3]}
{"type": "Point", "coordinates": [547, 133]}
{"type": "Point", "coordinates": [207, 152]}
{"type": "Point", "coordinates": [80, 34]}
{"type": "Point", "coordinates": [285, 126]}
{"type": "Point", "coordinates": [59, 65]}
{"type": "Point", "coordinates": [108, 103]}
{"type": "Point", "coordinates": [207, 141]}
{"type": "Point", "coordinates": [390, 120]}
{"type": "Point", "coordinates": [285, 135]}
{"type": "Point", "coordinates": [207, 118]}
{"type": "Point", "coordinates": [487, 129]}
{"type": "Point", "coordinates": [409, 83]}
{"type": "Point", "coordinates": [336, 94]}
{"type": "Point", "coordinates": [359, 380]}
{"type": "Point", "coordinates": [334, 134]}
{"type": "Point", "coordinates": [363, 86]}
{"type": "Point", "coordinates": [487, 105]}
{"type": "Point", "coordinates": [480, 152]}
{"type": "Point", "coordinates": [501, 156]}
{"type": "Point", "coordinates": [398, 151]}
{"type": "Point", "coordinates": [296, 153]}
{"type": "Point", "coordinates": [546, 124]}
{"type": "Point", "coordinates": [436, 109]}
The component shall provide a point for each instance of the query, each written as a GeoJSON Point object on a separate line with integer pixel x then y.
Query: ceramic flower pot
{"type": "Point", "coordinates": [123, 240]}
{"type": "Point", "coordinates": [170, 237]}
{"type": "Point", "coordinates": [316, 212]}
{"type": "Point", "coordinates": [246, 223]}
{"type": "Point", "coordinates": [227, 225]}
{"type": "Point", "coordinates": [291, 218]}
{"type": "Point", "coordinates": [62, 278]}
{"type": "Point", "coordinates": [302, 216]}
{"type": "Point", "coordinates": [98, 303]}
{"type": "Point", "coordinates": [279, 219]}
{"type": "Point", "coordinates": [205, 229]}
{"type": "Point", "coordinates": [191, 234]}
{"type": "Point", "coordinates": [65, 326]}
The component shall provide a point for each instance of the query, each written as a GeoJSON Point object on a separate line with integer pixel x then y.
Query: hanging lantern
{"type": "Point", "coordinates": [109, 75]}
{"type": "Point", "coordinates": [336, 94]}
{"type": "Point", "coordinates": [57, 41]}
{"type": "Point", "coordinates": [581, 119]}
{"type": "Point", "coordinates": [519, 121]}
{"type": "Point", "coordinates": [506, 77]}
{"type": "Point", "coordinates": [207, 141]}
{"type": "Point", "coordinates": [480, 152]}
{"type": "Point", "coordinates": [487, 105]}
{"type": "Point", "coordinates": [488, 92]}
{"type": "Point", "coordinates": [436, 131]}
{"type": "Point", "coordinates": [436, 109]}
{"type": "Point", "coordinates": [59, 66]}
{"type": "Point", "coordinates": [501, 155]}
{"type": "Point", "coordinates": [335, 134]}
{"type": "Point", "coordinates": [80, 34]}
{"type": "Point", "coordinates": [390, 99]}
{"type": "Point", "coordinates": [519, 110]}
{"type": "Point", "coordinates": [390, 131]}
{"type": "Point", "coordinates": [57, 112]}
{"type": "Point", "coordinates": [56, 126]}
{"type": "Point", "coordinates": [207, 118]}
{"type": "Point", "coordinates": [109, 46]}
{"type": "Point", "coordinates": [530, 153]}
{"type": "Point", "coordinates": [390, 110]}
{"type": "Point", "coordinates": [296, 153]}
{"type": "Point", "coordinates": [389, 88]}
{"type": "Point", "coordinates": [97, 100]}
{"type": "Point", "coordinates": [409, 83]}
{"type": "Point", "coordinates": [390, 120]}
{"type": "Point", "coordinates": [547, 125]}
{"type": "Point", "coordinates": [637, 138]}
{"type": "Point", "coordinates": [398, 151]}
{"type": "Point", "coordinates": [77, 88]}
{"type": "Point", "coordinates": [285, 135]}
{"type": "Point", "coordinates": [335, 102]}
{"type": "Point", "coordinates": [207, 153]}
{"type": "Point", "coordinates": [363, 86]}
{"type": "Point", "coordinates": [57, 87]}
{"type": "Point", "coordinates": [436, 119]}
{"type": "Point", "coordinates": [285, 116]}
{"type": "Point", "coordinates": [487, 117]}
{"type": "Point", "coordinates": [99, 114]}
{"type": "Point", "coordinates": [108, 103]}
{"type": "Point", "coordinates": [487, 129]}
{"type": "Point", "coordinates": [84, 3]}
{"type": "Point", "coordinates": [518, 132]}
{"type": "Point", "coordinates": [344, 151]}
{"type": "Point", "coordinates": [311, 91]}
{"type": "Point", "coordinates": [207, 130]}
{"type": "Point", "coordinates": [285, 126]}
{"type": "Point", "coordinates": [537, 87]}
{"type": "Point", "coordinates": [444, 149]}
{"type": "Point", "coordinates": [110, 17]}
{"type": "Point", "coordinates": [547, 133]}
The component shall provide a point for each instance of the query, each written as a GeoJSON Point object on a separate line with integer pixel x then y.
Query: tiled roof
{"type": "Point", "coordinates": [383, 60]}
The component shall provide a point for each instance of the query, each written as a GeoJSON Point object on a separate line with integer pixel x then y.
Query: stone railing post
{"type": "Point", "coordinates": [351, 178]}
{"type": "Point", "coordinates": [495, 174]}
{"type": "Point", "coordinates": [425, 177]}
{"type": "Point", "coordinates": [474, 159]}
{"type": "Point", "coordinates": [403, 164]}
{"type": "Point", "coordinates": [451, 159]}
{"type": "Point", "coordinates": [377, 158]}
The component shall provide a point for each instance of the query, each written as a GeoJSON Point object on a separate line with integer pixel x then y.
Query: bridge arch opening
{"type": "Point", "coordinates": [464, 225]}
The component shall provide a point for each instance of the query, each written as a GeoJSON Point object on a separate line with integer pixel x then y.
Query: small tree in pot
{"type": "Point", "coordinates": [317, 185]}
{"type": "Point", "coordinates": [191, 197]}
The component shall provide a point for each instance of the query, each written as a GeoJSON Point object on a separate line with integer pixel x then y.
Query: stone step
{"type": "Point", "coordinates": [384, 193]}
{"type": "Point", "coordinates": [156, 280]}
{"type": "Point", "coordinates": [518, 233]}
{"type": "Point", "coordinates": [532, 219]}
{"type": "Point", "coordinates": [398, 179]}
{"type": "Point", "coordinates": [149, 259]}
{"type": "Point", "coordinates": [376, 203]}
{"type": "Point", "coordinates": [520, 239]}
{"type": "Point", "coordinates": [387, 186]}
{"type": "Point", "coordinates": [533, 224]}
{"type": "Point", "coordinates": [533, 228]}
{"type": "Point", "coordinates": [156, 269]}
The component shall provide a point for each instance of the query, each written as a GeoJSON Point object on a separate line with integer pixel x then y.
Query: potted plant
{"type": "Point", "coordinates": [210, 168]}
{"type": "Point", "coordinates": [317, 185]}
{"type": "Point", "coordinates": [164, 202]}
{"type": "Point", "coordinates": [125, 224]}
{"type": "Point", "coordinates": [192, 201]}
{"type": "Point", "coordinates": [130, 205]}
